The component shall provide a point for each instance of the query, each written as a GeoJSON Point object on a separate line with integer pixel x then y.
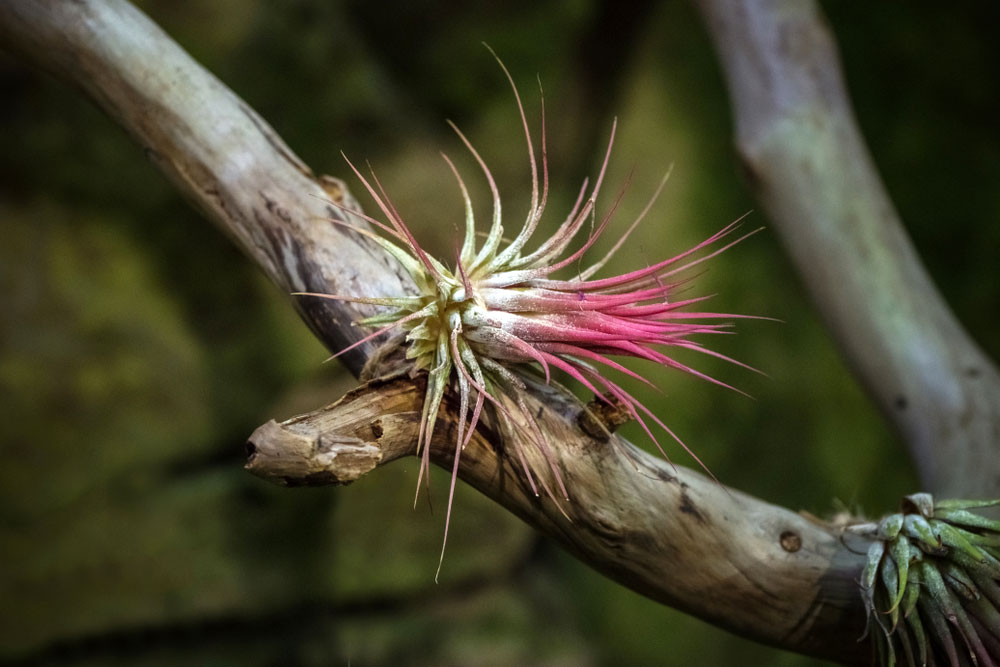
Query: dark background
{"type": "Point", "coordinates": [138, 348]}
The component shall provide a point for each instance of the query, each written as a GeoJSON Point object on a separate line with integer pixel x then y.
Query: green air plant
{"type": "Point", "coordinates": [931, 584]}
{"type": "Point", "coordinates": [485, 321]}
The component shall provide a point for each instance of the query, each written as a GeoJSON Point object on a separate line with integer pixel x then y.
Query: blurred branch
{"type": "Point", "coordinates": [217, 151]}
{"type": "Point", "coordinates": [748, 566]}
{"type": "Point", "coordinates": [807, 163]}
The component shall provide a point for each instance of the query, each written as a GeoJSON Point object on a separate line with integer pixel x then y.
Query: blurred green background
{"type": "Point", "coordinates": [138, 348]}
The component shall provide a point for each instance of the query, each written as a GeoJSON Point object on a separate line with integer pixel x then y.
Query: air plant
{"type": "Point", "coordinates": [498, 313]}
{"type": "Point", "coordinates": [931, 583]}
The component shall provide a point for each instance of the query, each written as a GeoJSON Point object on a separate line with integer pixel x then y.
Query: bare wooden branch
{"type": "Point", "coordinates": [370, 426]}
{"type": "Point", "coordinates": [751, 567]}
{"type": "Point", "coordinates": [667, 532]}
{"type": "Point", "coordinates": [807, 163]}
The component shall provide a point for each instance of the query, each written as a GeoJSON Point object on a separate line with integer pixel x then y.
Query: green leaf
{"type": "Point", "coordinates": [900, 551]}
{"type": "Point", "coordinates": [918, 503]}
{"type": "Point", "coordinates": [917, 527]}
{"type": "Point", "coordinates": [988, 587]}
{"type": "Point", "coordinates": [870, 572]}
{"type": "Point", "coordinates": [964, 518]}
{"type": "Point", "coordinates": [913, 590]}
{"type": "Point", "coordinates": [890, 526]}
{"type": "Point", "coordinates": [954, 539]}
{"type": "Point", "coordinates": [915, 625]}
{"type": "Point", "coordinates": [960, 504]}
{"type": "Point", "coordinates": [959, 581]}
{"type": "Point", "coordinates": [932, 611]}
{"type": "Point", "coordinates": [891, 581]}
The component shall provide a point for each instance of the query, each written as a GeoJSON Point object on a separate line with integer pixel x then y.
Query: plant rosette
{"type": "Point", "coordinates": [498, 313]}
{"type": "Point", "coordinates": [931, 583]}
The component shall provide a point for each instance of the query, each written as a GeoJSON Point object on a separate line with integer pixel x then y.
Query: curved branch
{"type": "Point", "coordinates": [664, 531]}
{"type": "Point", "coordinates": [667, 532]}
{"type": "Point", "coordinates": [806, 162]}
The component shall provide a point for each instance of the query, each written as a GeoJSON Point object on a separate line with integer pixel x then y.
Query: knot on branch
{"type": "Point", "coordinates": [278, 453]}
{"type": "Point", "coordinates": [336, 444]}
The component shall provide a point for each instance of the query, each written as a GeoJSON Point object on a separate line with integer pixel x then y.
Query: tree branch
{"type": "Point", "coordinates": [669, 533]}
{"type": "Point", "coordinates": [666, 532]}
{"type": "Point", "coordinates": [806, 162]}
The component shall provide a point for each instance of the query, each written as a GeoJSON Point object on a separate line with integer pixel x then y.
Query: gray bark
{"type": "Point", "coordinates": [808, 165]}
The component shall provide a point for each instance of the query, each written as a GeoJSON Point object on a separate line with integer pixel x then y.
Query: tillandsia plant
{"type": "Point", "coordinates": [497, 313]}
{"type": "Point", "coordinates": [931, 584]}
